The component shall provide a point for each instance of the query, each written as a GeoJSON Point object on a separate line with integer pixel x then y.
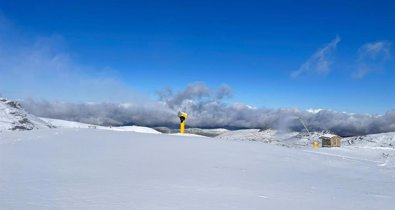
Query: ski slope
{"type": "Point", "coordinates": [72, 124]}
{"type": "Point", "coordinates": [95, 169]}
{"type": "Point", "coordinates": [374, 147]}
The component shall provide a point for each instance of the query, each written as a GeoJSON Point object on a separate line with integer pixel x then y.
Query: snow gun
{"type": "Point", "coordinates": [315, 143]}
{"type": "Point", "coordinates": [183, 116]}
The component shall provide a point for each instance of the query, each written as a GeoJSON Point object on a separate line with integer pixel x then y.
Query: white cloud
{"type": "Point", "coordinates": [375, 50]}
{"type": "Point", "coordinates": [225, 91]}
{"type": "Point", "coordinates": [372, 57]}
{"type": "Point", "coordinates": [208, 111]}
{"type": "Point", "coordinates": [319, 63]}
{"type": "Point", "coordinates": [42, 67]}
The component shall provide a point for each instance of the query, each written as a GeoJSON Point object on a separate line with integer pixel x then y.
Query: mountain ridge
{"type": "Point", "coordinates": [14, 117]}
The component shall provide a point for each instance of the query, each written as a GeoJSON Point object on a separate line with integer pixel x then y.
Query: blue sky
{"type": "Point", "coordinates": [306, 54]}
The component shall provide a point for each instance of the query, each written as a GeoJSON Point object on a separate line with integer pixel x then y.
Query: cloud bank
{"type": "Point", "coordinates": [319, 63]}
{"type": "Point", "coordinates": [207, 110]}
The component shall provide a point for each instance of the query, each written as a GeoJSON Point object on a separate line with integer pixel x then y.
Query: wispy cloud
{"type": "Point", "coordinates": [42, 67]}
{"type": "Point", "coordinates": [319, 63]}
{"type": "Point", "coordinates": [372, 57]}
{"type": "Point", "coordinates": [225, 91]}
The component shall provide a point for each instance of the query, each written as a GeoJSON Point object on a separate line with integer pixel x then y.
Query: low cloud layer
{"type": "Point", "coordinates": [205, 109]}
{"type": "Point", "coordinates": [319, 63]}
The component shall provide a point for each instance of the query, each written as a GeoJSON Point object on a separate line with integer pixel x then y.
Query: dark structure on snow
{"type": "Point", "coordinates": [329, 140]}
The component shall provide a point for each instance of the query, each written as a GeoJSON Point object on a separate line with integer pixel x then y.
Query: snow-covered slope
{"type": "Point", "coordinates": [71, 124]}
{"type": "Point", "coordinates": [382, 140]}
{"type": "Point", "coordinates": [95, 169]}
{"type": "Point", "coordinates": [380, 147]}
{"type": "Point", "coordinates": [270, 136]}
{"type": "Point", "coordinates": [13, 117]}
{"type": "Point", "coordinates": [209, 132]}
{"type": "Point", "coordinates": [250, 135]}
{"type": "Point", "coordinates": [66, 124]}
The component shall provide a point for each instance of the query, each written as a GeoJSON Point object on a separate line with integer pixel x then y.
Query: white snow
{"type": "Point", "coordinates": [249, 134]}
{"type": "Point", "coordinates": [133, 128]}
{"type": "Point", "coordinates": [328, 135]}
{"type": "Point", "coordinates": [66, 124]}
{"type": "Point", "coordinates": [95, 169]}
{"type": "Point", "coordinates": [382, 140]}
{"type": "Point", "coordinates": [380, 147]}
{"type": "Point", "coordinates": [267, 136]}
{"type": "Point", "coordinates": [71, 124]}
{"type": "Point", "coordinates": [13, 117]}
{"type": "Point", "coordinates": [186, 134]}
{"type": "Point", "coordinates": [211, 132]}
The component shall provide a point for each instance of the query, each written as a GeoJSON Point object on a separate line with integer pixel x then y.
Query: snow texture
{"type": "Point", "coordinates": [209, 132]}
{"type": "Point", "coordinates": [94, 169]}
{"type": "Point", "coordinates": [71, 124]}
{"type": "Point", "coordinates": [379, 147]}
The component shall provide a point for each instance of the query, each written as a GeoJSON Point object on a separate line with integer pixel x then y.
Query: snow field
{"type": "Point", "coordinates": [103, 169]}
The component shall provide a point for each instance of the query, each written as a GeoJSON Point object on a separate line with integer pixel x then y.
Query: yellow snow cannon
{"type": "Point", "coordinates": [183, 116]}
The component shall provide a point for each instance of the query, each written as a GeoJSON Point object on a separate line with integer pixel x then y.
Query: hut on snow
{"type": "Point", "coordinates": [330, 140]}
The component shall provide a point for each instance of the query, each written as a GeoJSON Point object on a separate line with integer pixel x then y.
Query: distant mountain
{"type": "Point", "coordinates": [14, 117]}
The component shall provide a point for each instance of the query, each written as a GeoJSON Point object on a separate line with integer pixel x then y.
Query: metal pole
{"type": "Point", "coordinates": [315, 143]}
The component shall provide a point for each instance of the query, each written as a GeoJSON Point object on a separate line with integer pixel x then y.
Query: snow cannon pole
{"type": "Point", "coordinates": [183, 116]}
{"type": "Point", "coordinates": [315, 143]}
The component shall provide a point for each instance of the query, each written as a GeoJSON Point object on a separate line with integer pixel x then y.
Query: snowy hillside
{"type": "Point", "coordinates": [71, 124]}
{"type": "Point", "coordinates": [284, 138]}
{"type": "Point", "coordinates": [382, 140]}
{"type": "Point", "coordinates": [13, 117]}
{"type": "Point", "coordinates": [95, 169]}
{"type": "Point", "coordinates": [292, 139]}
{"type": "Point", "coordinates": [208, 132]}
{"type": "Point", "coordinates": [380, 147]}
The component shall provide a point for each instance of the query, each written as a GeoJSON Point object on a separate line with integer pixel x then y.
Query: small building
{"type": "Point", "coordinates": [330, 140]}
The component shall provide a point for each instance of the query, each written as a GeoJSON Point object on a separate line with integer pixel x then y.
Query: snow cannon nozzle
{"type": "Point", "coordinates": [183, 116]}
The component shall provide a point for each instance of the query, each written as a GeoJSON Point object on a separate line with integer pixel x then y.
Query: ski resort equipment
{"type": "Point", "coordinates": [183, 116]}
{"type": "Point", "coordinates": [315, 143]}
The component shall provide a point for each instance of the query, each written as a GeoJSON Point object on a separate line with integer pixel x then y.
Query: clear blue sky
{"type": "Point", "coordinates": [253, 46]}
